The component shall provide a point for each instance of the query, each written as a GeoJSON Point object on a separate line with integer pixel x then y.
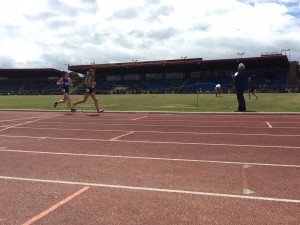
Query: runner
{"type": "Point", "coordinates": [251, 86]}
{"type": "Point", "coordinates": [90, 84]}
{"type": "Point", "coordinates": [218, 90]}
{"type": "Point", "coordinates": [66, 82]}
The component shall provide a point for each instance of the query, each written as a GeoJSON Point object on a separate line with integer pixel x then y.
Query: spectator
{"type": "Point", "coordinates": [240, 83]}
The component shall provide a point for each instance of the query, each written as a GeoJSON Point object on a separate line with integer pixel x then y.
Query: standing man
{"type": "Point", "coordinates": [241, 84]}
{"type": "Point", "coordinates": [90, 84]}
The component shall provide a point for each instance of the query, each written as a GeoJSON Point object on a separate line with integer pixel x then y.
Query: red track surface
{"type": "Point", "coordinates": [135, 168]}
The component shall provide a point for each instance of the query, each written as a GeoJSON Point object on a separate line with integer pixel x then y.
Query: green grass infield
{"type": "Point", "coordinates": [266, 102]}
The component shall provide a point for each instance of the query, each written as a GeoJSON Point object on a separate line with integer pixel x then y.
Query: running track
{"type": "Point", "coordinates": [139, 168]}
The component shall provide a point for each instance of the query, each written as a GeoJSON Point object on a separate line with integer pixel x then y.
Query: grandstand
{"type": "Point", "coordinates": [273, 73]}
{"type": "Point", "coordinates": [33, 81]}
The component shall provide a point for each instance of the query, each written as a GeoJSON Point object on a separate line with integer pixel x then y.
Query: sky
{"type": "Point", "coordinates": [55, 33]}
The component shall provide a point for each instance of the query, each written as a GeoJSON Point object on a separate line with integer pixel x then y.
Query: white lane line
{"type": "Point", "coordinates": [117, 138]}
{"type": "Point", "coordinates": [32, 121]}
{"type": "Point", "coordinates": [157, 125]}
{"type": "Point", "coordinates": [150, 158]}
{"type": "Point", "coordinates": [162, 132]}
{"type": "Point", "coordinates": [154, 189]}
{"type": "Point", "coordinates": [153, 142]}
{"type": "Point", "coordinates": [269, 125]}
{"type": "Point", "coordinates": [171, 125]}
{"type": "Point", "coordinates": [198, 120]}
{"type": "Point", "coordinates": [139, 118]}
{"type": "Point", "coordinates": [23, 118]}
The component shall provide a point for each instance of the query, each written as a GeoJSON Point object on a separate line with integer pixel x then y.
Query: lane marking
{"type": "Point", "coordinates": [161, 132]}
{"type": "Point", "coordinates": [54, 207]}
{"type": "Point", "coordinates": [245, 165]}
{"type": "Point", "coordinates": [153, 142]}
{"type": "Point", "coordinates": [140, 118]}
{"type": "Point", "coordinates": [24, 118]}
{"type": "Point", "coordinates": [153, 125]}
{"type": "Point", "coordinates": [170, 125]}
{"type": "Point", "coordinates": [154, 189]}
{"type": "Point", "coordinates": [200, 120]}
{"type": "Point", "coordinates": [32, 121]}
{"type": "Point", "coordinates": [269, 125]}
{"type": "Point", "coordinates": [117, 138]}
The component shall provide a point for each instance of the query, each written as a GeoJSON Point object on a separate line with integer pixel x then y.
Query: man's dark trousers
{"type": "Point", "coordinates": [241, 101]}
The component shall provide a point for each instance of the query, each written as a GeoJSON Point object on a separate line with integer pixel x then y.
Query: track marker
{"type": "Point", "coordinates": [269, 125]}
{"type": "Point", "coordinates": [54, 207]}
{"type": "Point", "coordinates": [41, 139]}
{"type": "Point", "coordinates": [246, 166]}
{"type": "Point", "coordinates": [140, 118]}
{"type": "Point", "coordinates": [247, 191]}
{"type": "Point", "coordinates": [162, 190]}
{"type": "Point", "coordinates": [116, 138]}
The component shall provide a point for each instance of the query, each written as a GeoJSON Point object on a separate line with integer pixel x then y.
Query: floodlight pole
{"type": "Point", "coordinates": [286, 50]}
{"type": "Point", "coordinates": [67, 66]}
{"type": "Point", "coordinates": [241, 54]}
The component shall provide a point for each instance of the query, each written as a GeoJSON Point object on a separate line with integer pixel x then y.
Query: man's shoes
{"type": "Point", "coordinates": [73, 110]}
{"type": "Point", "coordinates": [55, 104]}
{"type": "Point", "coordinates": [100, 111]}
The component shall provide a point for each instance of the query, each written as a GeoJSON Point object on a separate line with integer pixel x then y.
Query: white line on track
{"type": "Point", "coordinates": [162, 132]}
{"type": "Point", "coordinates": [24, 118]}
{"type": "Point", "coordinates": [123, 135]}
{"type": "Point", "coordinates": [153, 189]}
{"type": "Point", "coordinates": [269, 125]}
{"type": "Point", "coordinates": [32, 121]}
{"type": "Point", "coordinates": [153, 142]}
{"type": "Point", "coordinates": [148, 158]}
{"type": "Point", "coordinates": [169, 125]}
{"type": "Point", "coordinates": [195, 120]}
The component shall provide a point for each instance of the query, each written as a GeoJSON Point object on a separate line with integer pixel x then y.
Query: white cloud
{"type": "Point", "coordinates": [51, 33]}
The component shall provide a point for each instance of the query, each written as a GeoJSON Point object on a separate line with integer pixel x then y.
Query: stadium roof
{"type": "Point", "coordinates": [159, 66]}
{"type": "Point", "coordinates": [183, 65]}
{"type": "Point", "coordinates": [32, 72]}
